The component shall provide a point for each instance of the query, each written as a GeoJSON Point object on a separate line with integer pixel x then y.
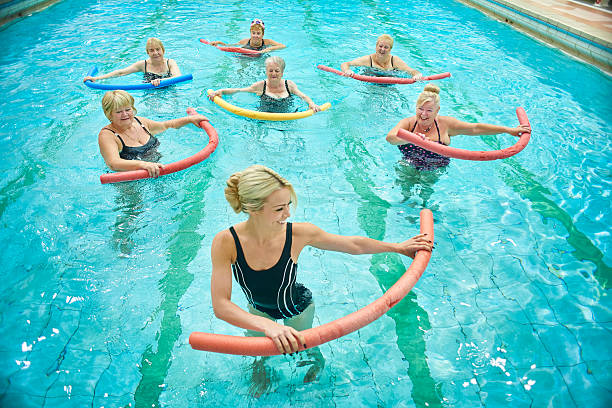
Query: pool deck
{"type": "Point", "coordinates": [577, 27]}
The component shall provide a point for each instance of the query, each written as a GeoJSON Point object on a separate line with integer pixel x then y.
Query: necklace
{"type": "Point", "coordinates": [428, 129]}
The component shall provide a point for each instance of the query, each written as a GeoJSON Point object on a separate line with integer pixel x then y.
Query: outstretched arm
{"type": "Point", "coordinates": [357, 245]}
{"type": "Point", "coordinates": [286, 339]}
{"type": "Point", "coordinates": [358, 62]}
{"type": "Point", "coordinates": [457, 127]}
{"type": "Point", "coordinates": [159, 127]}
{"type": "Point", "coordinates": [273, 45]}
{"type": "Point", "coordinates": [256, 88]}
{"type": "Point", "coordinates": [135, 67]}
{"type": "Point", "coordinates": [294, 89]}
{"type": "Point", "coordinates": [401, 65]}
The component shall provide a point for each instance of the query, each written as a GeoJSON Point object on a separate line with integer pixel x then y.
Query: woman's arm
{"type": "Point", "coordinates": [401, 65]}
{"type": "Point", "coordinates": [286, 339]}
{"type": "Point", "coordinates": [135, 67]}
{"type": "Point", "coordinates": [392, 135]}
{"type": "Point", "coordinates": [159, 127]}
{"type": "Point", "coordinates": [357, 245]}
{"type": "Point", "coordinates": [273, 45]}
{"type": "Point", "coordinates": [110, 154]}
{"type": "Point", "coordinates": [358, 62]}
{"type": "Point", "coordinates": [294, 89]}
{"type": "Point", "coordinates": [174, 69]}
{"type": "Point", "coordinates": [457, 127]}
{"type": "Point", "coordinates": [256, 88]}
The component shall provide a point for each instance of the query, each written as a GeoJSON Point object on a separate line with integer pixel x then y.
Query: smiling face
{"type": "Point", "coordinates": [122, 117]}
{"type": "Point", "coordinates": [426, 113]}
{"type": "Point", "coordinates": [383, 47]}
{"type": "Point", "coordinates": [274, 71]}
{"type": "Point", "coordinates": [256, 35]}
{"type": "Point", "coordinates": [275, 210]}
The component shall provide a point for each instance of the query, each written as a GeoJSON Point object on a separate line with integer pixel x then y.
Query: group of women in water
{"type": "Point", "coordinates": [262, 252]}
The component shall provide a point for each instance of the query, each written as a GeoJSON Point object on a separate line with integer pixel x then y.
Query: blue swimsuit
{"type": "Point", "coordinates": [423, 159]}
{"type": "Point", "coordinates": [272, 291]}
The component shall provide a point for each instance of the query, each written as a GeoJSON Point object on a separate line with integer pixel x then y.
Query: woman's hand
{"type": "Point", "coordinates": [196, 119]}
{"type": "Point", "coordinates": [286, 339]}
{"type": "Point", "coordinates": [156, 82]}
{"type": "Point", "coordinates": [215, 43]}
{"type": "Point", "coordinates": [419, 242]}
{"type": "Point", "coordinates": [214, 94]}
{"type": "Point", "coordinates": [315, 108]}
{"type": "Point", "coordinates": [348, 73]}
{"type": "Point", "coordinates": [90, 78]}
{"type": "Point", "coordinates": [418, 77]}
{"type": "Point", "coordinates": [152, 168]}
{"type": "Point", "coordinates": [519, 130]}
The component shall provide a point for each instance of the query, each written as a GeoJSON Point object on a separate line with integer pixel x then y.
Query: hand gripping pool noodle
{"type": "Point", "coordinates": [469, 154]}
{"type": "Point", "coordinates": [264, 346]}
{"type": "Point", "coordinates": [239, 50]}
{"type": "Point", "coordinates": [264, 115]}
{"type": "Point", "coordinates": [213, 141]}
{"type": "Point", "coordinates": [112, 87]}
{"type": "Point", "coordinates": [385, 80]}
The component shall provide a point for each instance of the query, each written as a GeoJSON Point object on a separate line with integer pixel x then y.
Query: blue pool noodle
{"type": "Point", "coordinates": [111, 87]}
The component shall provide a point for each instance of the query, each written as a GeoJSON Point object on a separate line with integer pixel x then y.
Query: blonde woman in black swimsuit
{"type": "Point", "coordinates": [128, 142]}
{"type": "Point", "coordinates": [381, 59]}
{"type": "Point", "coordinates": [274, 90]}
{"type": "Point", "coordinates": [256, 41]}
{"type": "Point", "coordinates": [427, 124]}
{"type": "Point", "coordinates": [155, 68]}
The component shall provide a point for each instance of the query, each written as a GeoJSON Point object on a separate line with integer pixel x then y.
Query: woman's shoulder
{"type": "Point", "coordinates": [303, 228]}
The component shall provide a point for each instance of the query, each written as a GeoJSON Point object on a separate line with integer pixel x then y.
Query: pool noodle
{"type": "Point", "coordinates": [264, 115]}
{"type": "Point", "coordinates": [471, 154]}
{"type": "Point", "coordinates": [239, 50]}
{"type": "Point", "coordinates": [131, 87]}
{"type": "Point", "coordinates": [385, 80]}
{"type": "Point", "coordinates": [264, 346]}
{"type": "Point", "coordinates": [213, 141]}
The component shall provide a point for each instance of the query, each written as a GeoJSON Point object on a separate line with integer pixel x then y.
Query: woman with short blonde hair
{"type": "Point", "coordinates": [381, 59]}
{"type": "Point", "coordinates": [155, 68]}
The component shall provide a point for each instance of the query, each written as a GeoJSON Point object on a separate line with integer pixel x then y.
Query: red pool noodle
{"type": "Point", "coordinates": [471, 154]}
{"type": "Point", "coordinates": [385, 80]}
{"type": "Point", "coordinates": [263, 346]}
{"type": "Point", "coordinates": [213, 141]}
{"type": "Point", "coordinates": [233, 49]}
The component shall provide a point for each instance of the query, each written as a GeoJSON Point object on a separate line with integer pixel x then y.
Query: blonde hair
{"type": "Point", "coordinates": [276, 60]}
{"type": "Point", "coordinates": [430, 93]}
{"type": "Point", "coordinates": [114, 100]}
{"type": "Point", "coordinates": [154, 42]}
{"type": "Point", "coordinates": [247, 190]}
{"type": "Point", "coordinates": [385, 37]}
{"type": "Point", "coordinates": [263, 29]}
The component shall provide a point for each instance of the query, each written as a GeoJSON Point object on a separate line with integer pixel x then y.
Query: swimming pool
{"type": "Point", "coordinates": [104, 283]}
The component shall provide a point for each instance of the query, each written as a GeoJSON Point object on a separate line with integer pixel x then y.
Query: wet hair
{"type": "Point", "coordinates": [114, 100]}
{"type": "Point", "coordinates": [247, 190]}
{"type": "Point", "coordinates": [155, 42]}
{"type": "Point", "coordinates": [385, 37]}
{"type": "Point", "coordinates": [430, 93]}
{"type": "Point", "coordinates": [276, 60]}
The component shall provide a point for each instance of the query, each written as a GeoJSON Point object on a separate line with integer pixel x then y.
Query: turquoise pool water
{"type": "Point", "coordinates": [102, 284]}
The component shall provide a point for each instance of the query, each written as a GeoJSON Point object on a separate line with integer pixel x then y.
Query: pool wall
{"type": "Point", "coordinates": [15, 9]}
{"type": "Point", "coordinates": [594, 50]}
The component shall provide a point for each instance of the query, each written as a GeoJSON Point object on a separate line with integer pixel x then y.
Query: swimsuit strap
{"type": "Point", "coordinates": [287, 87]}
{"type": "Point", "coordinates": [414, 127]}
{"type": "Point", "coordinates": [145, 67]}
{"type": "Point", "coordinates": [239, 253]}
{"type": "Point", "coordinates": [392, 62]}
{"type": "Point", "coordinates": [116, 134]}
{"type": "Point", "coordinates": [143, 126]}
{"type": "Point", "coordinates": [168, 65]}
{"type": "Point", "coordinates": [438, 129]}
{"type": "Point", "coordinates": [371, 66]}
{"type": "Point", "coordinates": [264, 90]}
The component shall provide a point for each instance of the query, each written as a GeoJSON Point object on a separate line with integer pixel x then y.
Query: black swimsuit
{"type": "Point", "coordinates": [248, 45]}
{"type": "Point", "coordinates": [274, 290]}
{"type": "Point", "coordinates": [150, 76]}
{"type": "Point", "coordinates": [147, 151]}
{"type": "Point", "coordinates": [269, 103]}
{"type": "Point", "coordinates": [423, 159]}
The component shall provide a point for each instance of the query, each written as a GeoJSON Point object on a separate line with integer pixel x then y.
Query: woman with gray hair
{"type": "Point", "coordinates": [276, 94]}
